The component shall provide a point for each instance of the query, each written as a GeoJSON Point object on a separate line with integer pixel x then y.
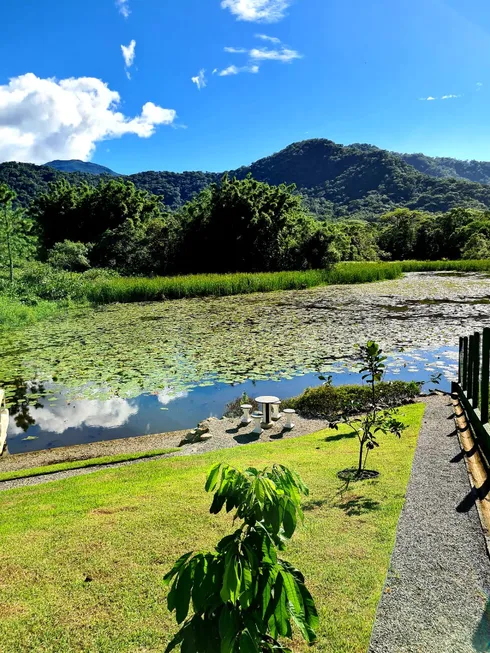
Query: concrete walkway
{"type": "Point", "coordinates": [436, 596]}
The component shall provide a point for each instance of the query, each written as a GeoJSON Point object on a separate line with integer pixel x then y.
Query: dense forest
{"type": "Point", "coordinates": [307, 207]}
{"type": "Point", "coordinates": [236, 225]}
{"type": "Point", "coordinates": [359, 181]}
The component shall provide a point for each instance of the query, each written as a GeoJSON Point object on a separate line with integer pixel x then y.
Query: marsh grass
{"type": "Point", "coordinates": [131, 289]}
{"type": "Point", "coordinates": [41, 291]}
{"type": "Point", "coordinates": [83, 558]}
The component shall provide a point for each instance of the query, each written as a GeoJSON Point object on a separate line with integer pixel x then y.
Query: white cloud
{"type": "Point", "coordinates": [271, 39]}
{"type": "Point", "coordinates": [129, 53]}
{"type": "Point", "coordinates": [236, 50]}
{"type": "Point", "coordinates": [167, 395]}
{"type": "Point", "coordinates": [449, 97]}
{"type": "Point", "coordinates": [427, 99]}
{"type": "Point", "coordinates": [86, 412]}
{"type": "Point", "coordinates": [45, 119]}
{"type": "Point", "coordinates": [266, 11]}
{"type": "Point", "coordinates": [123, 6]}
{"type": "Point", "coordinates": [264, 54]}
{"type": "Point", "coordinates": [235, 70]}
{"type": "Point", "coordinates": [200, 80]}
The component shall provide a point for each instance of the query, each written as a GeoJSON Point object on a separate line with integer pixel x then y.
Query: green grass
{"type": "Point", "coordinates": [131, 289]}
{"type": "Point", "coordinates": [81, 464]}
{"type": "Point", "coordinates": [78, 289]}
{"type": "Point", "coordinates": [123, 528]}
{"type": "Point", "coordinates": [14, 313]}
{"type": "Point", "coordinates": [446, 266]}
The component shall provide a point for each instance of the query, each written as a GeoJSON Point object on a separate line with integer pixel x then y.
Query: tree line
{"type": "Point", "coordinates": [232, 226]}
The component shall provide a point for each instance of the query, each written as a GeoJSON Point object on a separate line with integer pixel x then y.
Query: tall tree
{"type": "Point", "coordinates": [16, 239]}
{"type": "Point", "coordinates": [245, 225]}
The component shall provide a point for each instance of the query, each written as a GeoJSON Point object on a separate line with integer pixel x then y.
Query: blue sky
{"type": "Point", "coordinates": [355, 71]}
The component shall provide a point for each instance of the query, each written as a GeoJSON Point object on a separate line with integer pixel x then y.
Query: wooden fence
{"type": "Point", "coordinates": [473, 385]}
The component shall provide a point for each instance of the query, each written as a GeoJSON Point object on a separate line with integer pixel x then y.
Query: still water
{"type": "Point", "coordinates": [136, 369]}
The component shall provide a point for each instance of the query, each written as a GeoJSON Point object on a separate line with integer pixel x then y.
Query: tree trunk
{"type": "Point", "coordinates": [9, 252]}
{"type": "Point", "coordinates": [361, 451]}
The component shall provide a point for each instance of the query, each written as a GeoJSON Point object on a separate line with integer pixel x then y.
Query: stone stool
{"type": "Point", "coordinates": [289, 412]}
{"type": "Point", "coordinates": [275, 414]}
{"type": "Point", "coordinates": [246, 419]}
{"type": "Point", "coordinates": [257, 418]}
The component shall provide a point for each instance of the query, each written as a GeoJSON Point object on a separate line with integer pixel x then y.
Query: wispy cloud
{"type": "Point", "coordinates": [479, 86]}
{"type": "Point", "coordinates": [236, 50]}
{"type": "Point", "coordinates": [123, 6]}
{"type": "Point", "coordinates": [451, 96]}
{"type": "Point", "coordinates": [260, 11]}
{"type": "Point", "coordinates": [236, 70]}
{"type": "Point", "coordinates": [271, 39]}
{"type": "Point", "coordinates": [284, 54]}
{"type": "Point", "coordinates": [200, 80]}
{"type": "Point", "coordinates": [129, 54]}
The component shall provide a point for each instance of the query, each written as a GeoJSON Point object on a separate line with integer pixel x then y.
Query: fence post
{"type": "Point", "coordinates": [471, 354]}
{"type": "Point", "coordinates": [476, 371]}
{"type": "Point", "coordinates": [460, 361]}
{"type": "Point", "coordinates": [465, 363]}
{"type": "Point", "coordinates": [485, 375]}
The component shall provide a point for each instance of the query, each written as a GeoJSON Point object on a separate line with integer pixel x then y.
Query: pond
{"type": "Point", "coordinates": [135, 369]}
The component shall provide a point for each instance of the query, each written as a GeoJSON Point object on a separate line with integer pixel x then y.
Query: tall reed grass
{"type": "Point", "coordinates": [42, 291]}
{"type": "Point", "coordinates": [446, 266]}
{"type": "Point", "coordinates": [133, 289]}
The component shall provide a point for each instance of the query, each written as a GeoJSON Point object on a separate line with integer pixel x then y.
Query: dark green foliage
{"type": "Point", "coordinates": [75, 165]}
{"type": "Point", "coordinates": [69, 255]}
{"type": "Point", "coordinates": [83, 213]}
{"type": "Point", "coordinates": [337, 181]}
{"type": "Point", "coordinates": [246, 225]}
{"type": "Point", "coordinates": [243, 597]}
{"type": "Point", "coordinates": [477, 171]}
{"type": "Point", "coordinates": [17, 242]}
{"type": "Point", "coordinates": [328, 401]}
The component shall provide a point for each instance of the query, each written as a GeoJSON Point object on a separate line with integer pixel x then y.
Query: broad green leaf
{"type": "Point", "coordinates": [212, 478]}
{"type": "Point", "coordinates": [247, 644]}
{"type": "Point", "coordinates": [183, 594]}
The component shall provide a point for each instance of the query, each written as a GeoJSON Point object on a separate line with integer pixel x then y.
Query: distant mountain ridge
{"type": "Point", "coordinates": [75, 165]}
{"type": "Point", "coordinates": [336, 181]}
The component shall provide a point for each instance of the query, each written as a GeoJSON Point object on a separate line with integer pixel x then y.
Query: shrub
{"type": "Point", "coordinates": [69, 255]}
{"type": "Point", "coordinates": [243, 596]}
{"type": "Point", "coordinates": [328, 401]}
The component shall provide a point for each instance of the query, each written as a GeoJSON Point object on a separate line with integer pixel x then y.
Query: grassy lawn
{"type": "Point", "coordinates": [82, 559]}
{"type": "Point", "coordinates": [80, 464]}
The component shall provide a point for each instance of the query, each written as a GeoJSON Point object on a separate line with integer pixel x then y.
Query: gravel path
{"type": "Point", "coordinates": [225, 434]}
{"type": "Point", "coordinates": [436, 594]}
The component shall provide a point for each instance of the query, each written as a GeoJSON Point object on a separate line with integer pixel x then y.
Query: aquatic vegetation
{"type": "Point", "coordinates": [124, 350]}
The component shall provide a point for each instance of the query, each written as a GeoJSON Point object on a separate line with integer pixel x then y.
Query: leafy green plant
{"type": "Point", "coordinates": [378, 418]}
{"type": "Point", "coordinates": [243, 596]}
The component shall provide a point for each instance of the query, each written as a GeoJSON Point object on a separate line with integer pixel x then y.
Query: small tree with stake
{"type": "Point", "coordinates": [243, 596]}
{"type": "Point", "coordinates": [378, 418]}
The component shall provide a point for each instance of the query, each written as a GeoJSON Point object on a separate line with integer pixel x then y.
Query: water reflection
{"type": "Point", "coordinates": [46, 416]}
{"type": "Point", "coordinates": [61, 415]}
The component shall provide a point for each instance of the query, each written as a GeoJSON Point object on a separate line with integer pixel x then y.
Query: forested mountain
{"type": "Point", "coordinates": [437, 166]}
{"type": "Point", "coordinates": [478, 171]}
{"type": "Point", "coordinates": [335, 180]}
{"type": "Point", "coordinates": [75, 165]}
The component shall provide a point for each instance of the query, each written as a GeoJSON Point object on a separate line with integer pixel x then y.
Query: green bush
{"type": "Point", "coordinates": [328, 401]}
